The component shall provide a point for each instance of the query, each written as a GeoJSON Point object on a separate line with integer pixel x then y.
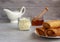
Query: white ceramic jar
{"type": "Point", "coordinates": [24, 23]}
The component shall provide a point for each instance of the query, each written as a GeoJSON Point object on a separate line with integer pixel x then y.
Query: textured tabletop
{"type": "Point", "coordinates": [10, 33]}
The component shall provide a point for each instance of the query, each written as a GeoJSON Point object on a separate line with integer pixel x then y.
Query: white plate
{"type": "Point", "coordinates": [45, 36]}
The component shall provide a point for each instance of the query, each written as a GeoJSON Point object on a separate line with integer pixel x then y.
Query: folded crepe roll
{"type": "Point", "coordinates": [51, 24]}
{"type": "Point", "coordinates": [53, 32]}
{"type": "Point", "coordinates": [40, 31]}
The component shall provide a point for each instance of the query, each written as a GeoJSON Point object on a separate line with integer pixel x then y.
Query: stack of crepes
{"type": "Point", "coordinates": [50, 28]}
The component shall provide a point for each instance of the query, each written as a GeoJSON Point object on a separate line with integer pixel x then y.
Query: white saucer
{"type": "Point", "coordinates": [45, 36]}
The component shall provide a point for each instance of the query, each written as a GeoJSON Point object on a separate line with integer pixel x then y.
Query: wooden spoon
{"type": "Point", "coordinates": [42, 13]}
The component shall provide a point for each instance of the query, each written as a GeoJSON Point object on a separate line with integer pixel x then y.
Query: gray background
{"type": "Point", "coordinates": [34, 7]}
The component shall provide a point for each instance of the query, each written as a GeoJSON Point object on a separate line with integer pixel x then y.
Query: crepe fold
{"type": "Point", "coordinates": [40, 31]}
{"type": "Point", "coordinates": [52, 24]}
{"type": "Point", "coordinates": [53, 32]}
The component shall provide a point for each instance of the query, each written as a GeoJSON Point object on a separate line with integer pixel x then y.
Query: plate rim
{"type": "Point", "coordinates": [45, 36]}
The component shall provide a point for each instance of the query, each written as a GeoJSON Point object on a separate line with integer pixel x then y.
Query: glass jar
{"type": "Point", "coordinates": [37, 22]}
{"type": "Point", "coordinates": [24, 23]}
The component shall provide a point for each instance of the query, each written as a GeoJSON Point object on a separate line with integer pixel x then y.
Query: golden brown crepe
{"type": "Point", "coordinates": [53, 32]}
{"type": "Point", "coordinates": [52, 24]}
{"type": "Point", "coordinates": [40, 31]}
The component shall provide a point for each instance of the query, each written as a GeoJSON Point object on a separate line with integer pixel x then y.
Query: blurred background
{"type": "Point", "coordinates": [34, 7]}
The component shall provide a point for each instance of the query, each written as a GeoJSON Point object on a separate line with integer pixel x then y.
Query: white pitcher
{"type": "Point", "coordinates": [14, 15]}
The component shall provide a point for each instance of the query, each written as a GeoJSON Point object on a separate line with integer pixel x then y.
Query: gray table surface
{"type": "Point", "coordinates": [10, 33]}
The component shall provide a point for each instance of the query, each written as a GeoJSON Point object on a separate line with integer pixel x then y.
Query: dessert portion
{"type": "Point", "coordinates": [52, 24]}
{"type": "Point", "coordinates": [49, 28]}
{"type": "Point", "coordinates": [53, 32]}
{"type": "Point", "coordinates": [40, 31]}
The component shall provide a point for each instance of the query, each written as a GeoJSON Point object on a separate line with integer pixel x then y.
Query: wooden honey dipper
{"type": "Point", "coordinates": [41, 14]}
